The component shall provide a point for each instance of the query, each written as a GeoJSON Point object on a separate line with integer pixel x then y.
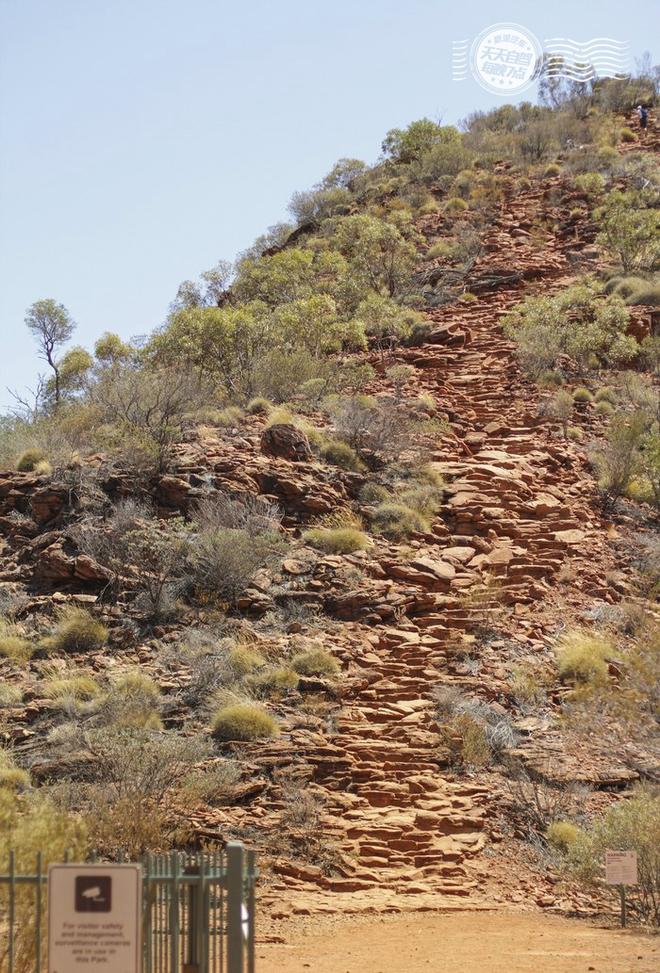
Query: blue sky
{"type": "Point", "coordinates": [143, 140]}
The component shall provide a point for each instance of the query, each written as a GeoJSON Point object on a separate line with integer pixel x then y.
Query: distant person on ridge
{"type": "Point", "coordinates": [643, 113]}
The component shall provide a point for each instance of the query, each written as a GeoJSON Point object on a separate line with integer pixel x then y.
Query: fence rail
{"type": "Point", "coordinates": [198, 913]}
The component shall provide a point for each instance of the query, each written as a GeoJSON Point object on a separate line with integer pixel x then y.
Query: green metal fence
{"type": "Point", "coordinates": [198, 913]}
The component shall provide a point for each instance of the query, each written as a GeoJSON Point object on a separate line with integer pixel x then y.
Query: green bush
{"type": "Point", "coordinates": [336, 540]}
{"type": "Point", "coordinates": [606, 394]}
{"type": "Point", "coordinates": [272, 681]}
{"type": "Point", "coordinates": [374, 493]}
{"type": "Point", "coordinates": [342, 455]}
{"type": "Point", "coordinates": [244, 722]}
{"type": "Point", "coordinates": [231, 416]}
{"type": "Point", "coordinates": [396, 520]}
{"type": "Point", "coordinates": [581, 657]}
{"type": "Point", "coordinates": [244, 660]}
{"type": "Point", "coordinates": [455, 206]}
{"type": "Point", "coordinates": [604, 408]}
{"type": "Point", "coordinates": [12, 644]}
{"type": "Point", "coordinates": [561, 835]}
{"type": "Point", "coordinates": [315, 662]}
{"type": "Point", "coordinates": [464, 744]}
{"type": "Point", "coordinates": [589, 183]}
{"type": "Point", "coordinates": [551, 170]}
{"type": "Point", "coordinates": [78, 688]}
{"type": "Point", "coordinates": [627, 135]}
{"type": "Point", "coordinates": [133, 702]}
{"type": "Point", "coordinates": [259, 407]}
{"type": "Point", "coordinates": [582, 394]}
{"type": "Point", "coordinates": [632, 824]}
{"type": "Point", "coordinates": [575, 434]}
{"type": "Point", "coordinates": [29, 459]}
{"type": "Point", "coordinates": [76, 631]}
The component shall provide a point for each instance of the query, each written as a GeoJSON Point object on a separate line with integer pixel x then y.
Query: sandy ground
{"type": "Point", "coordinates": [463, 942]}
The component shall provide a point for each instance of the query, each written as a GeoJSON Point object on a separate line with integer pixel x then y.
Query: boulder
{"type": "Point", "coordinates": [284, 440]}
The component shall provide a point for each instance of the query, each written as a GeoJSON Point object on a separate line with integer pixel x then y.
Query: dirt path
{"type": "Point", "coordinates": [465, 941]}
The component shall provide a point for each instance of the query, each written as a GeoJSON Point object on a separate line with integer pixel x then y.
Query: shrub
{"type": "Point", "coordinates": [233, 540]}
{"type": "Point", "coordinates": [575, 434]}
{"type": "Point", "coordinates": [627, 135]}
{"type": "Point", "coordinates": [341, 454]}
{"type": "Point", "coordinates": [604, 408]}
{"type": "Point", "coordinates": [133, 702]}
{"type": "Point", "coordinates": [77, 688]}
{"type": "Point", "coordinates": [455, 206]}
{"type": "Point", "coordinates": [606, 394]}
{"type": "Point", "coordinates": [374, 493]}
{"type": "Point", "coordinates": [245, 722]}
{"type": "Point", "coordinates": [315, 662]}
{"type": "Point", "coordinates": [589, 183]}
{"type": "Point", "coordinates": [582, 394]}
{"type": "Point", "coordinates": [228, 417]}
{"type": "Point", "coordinates": [581, 657]}
{"type": "Point", "coordinates": [29, 459]}
{"type": "Point", "coordinates": [551, 170]}
{"type": "Point", "coordinates": [336, 540]}
{"type": "Point", "coordinates": [576, 322]}
{"type": "Point", "coordinates": [11, 776]}
{"type": "Point", "coordinates": [618, 461]}
{"type": "Point", "coordinates": [273, 681]}
{"type": "Point", "coordinates": [259, 407]}
{"type": "Point", "coordinates": [463, 742]}
{"type": "Point", "coordinates": [77, 631]}
{"type": "Point", "coordinates": [397, 520]}
{"type": "Point", "coordinates": [244, 660]}
{"type": "Point", "coordinates": [10, 695]}
{"type": "Point", "coordinates": [30, 824]}
{"type": "Point", "coordinates": [12, 644]}
{"type": "Point", "coordinates": [630, 228]}
{"type": "Point", "coordinates": [561, 835]}
{"type": "Point", "coordinates": [632, 824]}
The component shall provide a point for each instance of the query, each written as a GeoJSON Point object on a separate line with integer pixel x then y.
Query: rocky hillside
{"type": "Point", "coordinates": [367, 798]}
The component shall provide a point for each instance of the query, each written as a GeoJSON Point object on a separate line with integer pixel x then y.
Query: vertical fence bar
{"type": "Point", "coordinates": [12, 911]}
{"type": "Point", "coordinates": [38, 912]}
{"type": "Point", "coordinates": [234, 907]}
{"type": "Point", "coordinates": [149, 889]}
{"type": "Point", "coordinates": [174, 913]}
{"type": "Point", "coordinates": [251, 867]}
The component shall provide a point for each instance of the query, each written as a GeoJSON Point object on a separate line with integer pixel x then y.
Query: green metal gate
{"type": "Point", "coordinates": [198, 913]}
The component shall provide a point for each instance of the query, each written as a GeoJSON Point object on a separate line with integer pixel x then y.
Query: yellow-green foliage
{"type": "Point", "coordinates": [397, 520]}
{"type": "Point", "coordinates": [243, 660]}
{"type": "Point", "coordinates": [627, 135]}
{"type": "Point", "coordinates": [315, 662]}
{"type": "Point", "coordinates": [273, 681]}
{"type": "Point", "coordinates": [231, 416]}
{"type": "Point", "coordinates": [455, 206]}
{"type": "Point", "coordinates": [76, 631]}
{"type": "Point", "coordinates": [581, 657]}
{"type": "Point", "coordinates": [280, 416]}
{"type": "Point", "coordinates": [582, 394]}
{"type": "Point", "coordinates": [133, 702]}
{"type": "Point", "coordinates": [245, 722]}
{"type": "Point", "coordinates": [439, 251]}
{"type": "Point", "coordinates": [259, 407]}
{"type": "Point", "coordinates": [341, 454]}
{"type": "Point", "coordinates": [12, 644]}
{"type": "Point", "coordinates": [11, 776]}
{"type": "Point", "coordinates": [10, 695]}
{"type": "Point", "coordinates": [80, 688]}
{"type": "Point", "coordinates": [29, 459]}
{"type": "Point", "coordinates": [336, 540]}
{"type": "Point", "coordinates": [43, 468]}
{"type": "Point", "coordinates": [562, 835]}
{"type": "Point", "coordinates": [30, 824]}
{"type": "Point", "coordinates": [575, 434]}
{"type": "Point", "coordinates": [374, 493]}
{"type": "Point", "coordinates": [632, 824]}
{"type": "Point", "coordinates": [464, 743]}
{"type": "Point", "coordinates": [551, 170]}
{"type": "Point", "coordinates": [606, 394]}
{"type": "Point", "coordinates": [604, 408]}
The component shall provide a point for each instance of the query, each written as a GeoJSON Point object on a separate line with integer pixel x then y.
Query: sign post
{"type": "Point", "coordinates": [621, 870]}
{"type": "Point", "coordinates": [94, 918]}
